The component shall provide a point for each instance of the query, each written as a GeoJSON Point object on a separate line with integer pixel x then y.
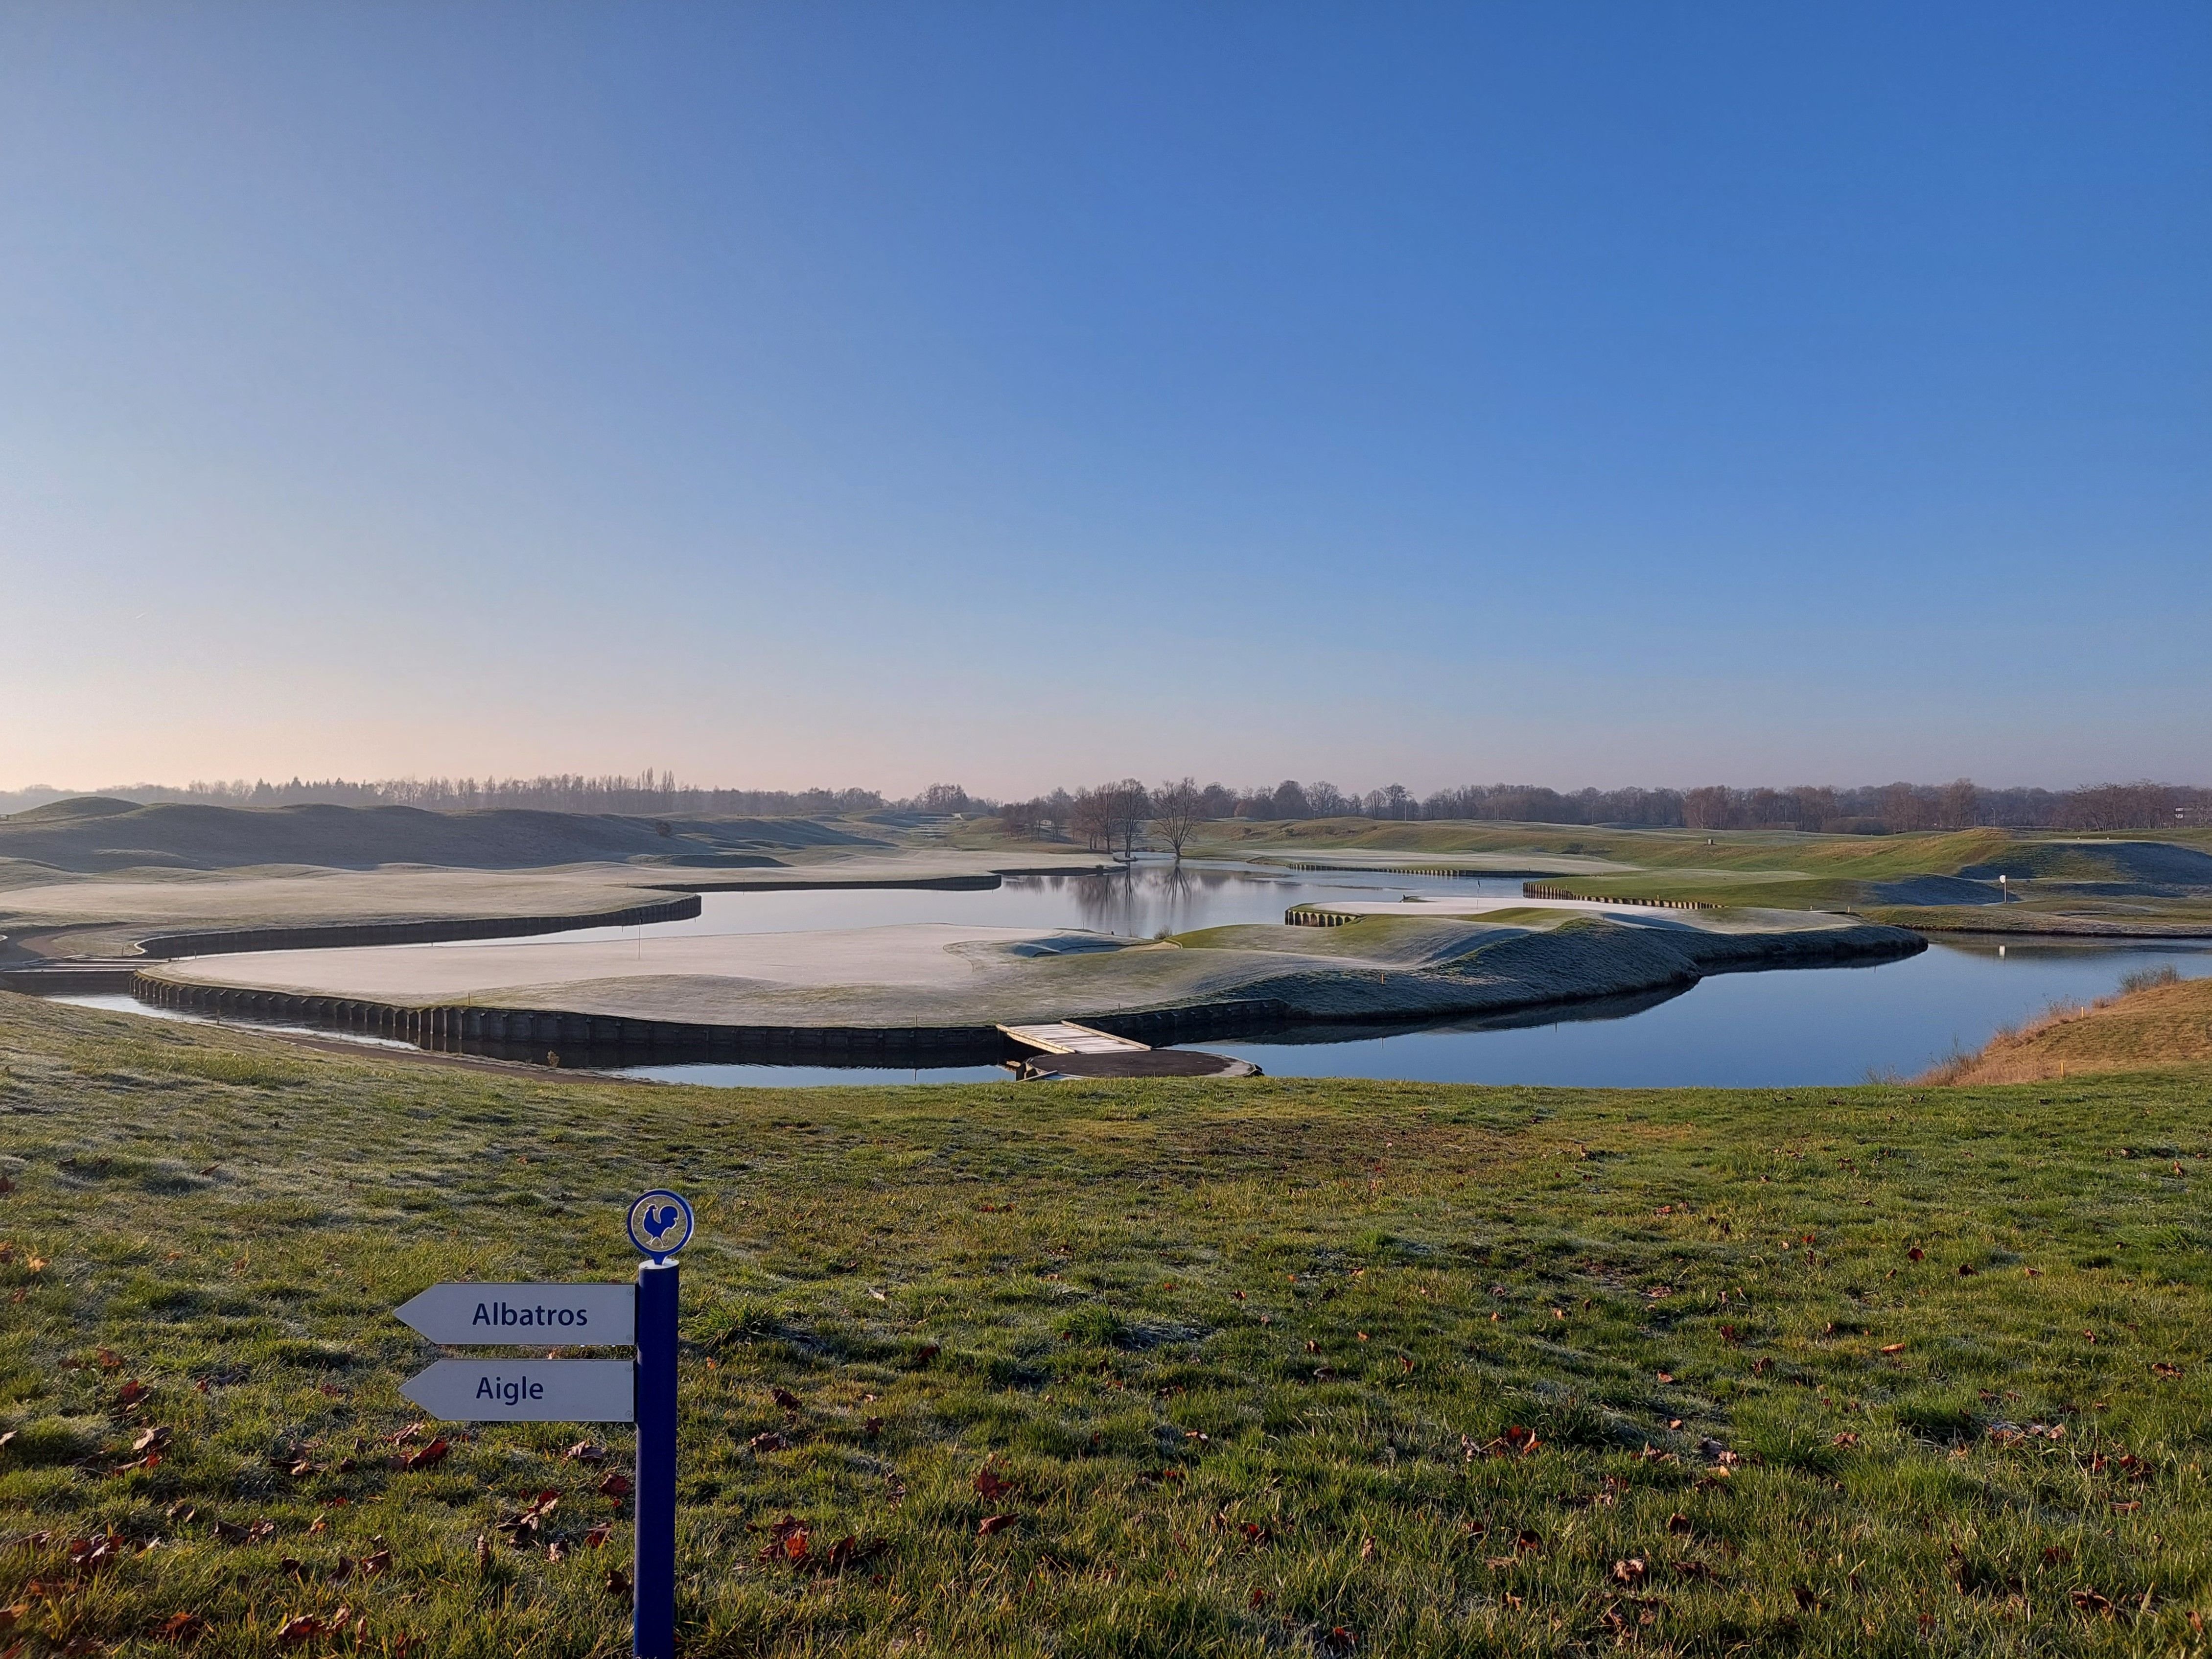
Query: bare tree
{"type": "Point", "coordinates": [1177, 811]}
{"type": "Point", "coordinates": [1128, 807]}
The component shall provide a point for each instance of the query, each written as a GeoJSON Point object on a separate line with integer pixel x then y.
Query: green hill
{"type": "Point", "coordinates": [92, 833]}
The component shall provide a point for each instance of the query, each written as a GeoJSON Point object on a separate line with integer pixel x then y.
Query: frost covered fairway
{"type": "Point", "coordinates": [1139, 1368]}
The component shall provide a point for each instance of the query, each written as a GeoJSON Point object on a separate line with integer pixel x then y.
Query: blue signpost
{"type": "Point", "coordinates": [660, 1225]}
{"type": "Point", "coordinates": [581, 1390]}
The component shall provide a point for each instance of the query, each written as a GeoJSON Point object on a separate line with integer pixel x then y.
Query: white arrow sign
{"type": "Point", "coordinates": [527, 1390]}
{"type": "Point", "coordinates": [580, 1316]}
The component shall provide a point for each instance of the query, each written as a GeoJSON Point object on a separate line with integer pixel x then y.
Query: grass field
{"type": "Point", "coordinates": [1249, 1368]}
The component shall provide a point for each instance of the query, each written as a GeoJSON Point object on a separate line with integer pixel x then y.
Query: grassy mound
{"type": "Point", "coordinates": [2163, 1020]}
{"type": "Point", "coordinates": [1247, 1368]}
{"type": "Point", "coordinates": [95, 834]}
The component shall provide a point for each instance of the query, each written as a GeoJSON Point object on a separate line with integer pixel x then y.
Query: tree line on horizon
{"type": "Point", "coordinates": [1116, 816]}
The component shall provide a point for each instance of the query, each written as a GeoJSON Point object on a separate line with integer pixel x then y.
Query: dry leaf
{"type": "Point", "coordinates": [991, 1524]}
{"type": "Point", "coordinates": [434, 1453]}
{"type": "Point", "coordinates": [989, 1486]}
{"type": "Point", "coordinates": [613, 1486]}
{"type": "Point", "coordinates": [785, 1397]}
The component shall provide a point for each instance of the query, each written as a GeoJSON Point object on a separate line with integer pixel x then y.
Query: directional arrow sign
{"type": "Point", "coordinates": [581, 1316]}
{"type": "Point", "coordinates": [527, 1390]}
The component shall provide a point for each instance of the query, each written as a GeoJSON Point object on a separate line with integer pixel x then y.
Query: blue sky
{"type": "Point", "coordinates": [800, 393]}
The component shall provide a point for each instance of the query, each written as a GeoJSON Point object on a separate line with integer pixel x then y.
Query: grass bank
{"type": "Point", "coordinates": [1269, 1367]}
{"type": "Point", "coordinates": [2162, 1020]}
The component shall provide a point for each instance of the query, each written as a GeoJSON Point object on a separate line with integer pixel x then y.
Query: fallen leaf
{"type": "Point", "coordinates": [182, 1627]}
{"type": "Point", "coordinates": [587, 1451]}
{"type": "Point", "coordinates": [1367, 1549]}
{"type": "Point", "coordinates": [433, 1454]}
{"type": "Point", "coordinates": [618, 1583]}
{"type": "Point", "coordinates": [613, 1486]}
{"type": "Point", "coordinates": [989, 1486]}
{"type": "Point", "coordinates": [785, 1397]}
{"type": "Point", "coordinates": [768, 1442]}
{"type": "Point", "coordinates": [1894, 1347]}
{"type": "Point", "coordinates": [598, 1535]}
{"type": "Point", "coordinates": [1916, 1254]}
{"type": "Point", "coordinates": [376, 1564]}
{"type": "Point", "coordinates": [1666, 1376]}
{"type": "Point", "coordinates": [1847, 1439]}
{"type": "Point", "coordinates": [304, 1628]}
{"type": "Point", "coordinates": [991, 1524]}
{"type": "Point", "coordinates": [1630, 1571]}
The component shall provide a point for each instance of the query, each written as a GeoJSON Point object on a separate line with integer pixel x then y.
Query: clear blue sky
{"type": "Point", "coordinates": [816, 392]}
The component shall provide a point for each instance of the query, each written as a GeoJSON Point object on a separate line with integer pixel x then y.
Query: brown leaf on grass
{"type": "Point", "coordinates": [598, 1535]}
{"type": "Point", "coordinates": [1679, 1524]}
{"type": "Point", "coordinates": [991, 1525]}
{"type": "Point", "coordinates": [785, 1397]}
{"type": "Point", "coordinates": [768, 1442]}
{"type": "Point", "coordinates": [1847, 1439]}
{"type": "Point", "coordinates": [1666, 1376]}
{"type": "Point", "coordinates": [376, 1564]}
{"type": "Point", "coordinates": [990, 1486]}
{"type": "Point", "coordinates": [1894, 1347]}
{"type": "Point", "coordinates": [2161, 1368]}
{"type": "Point", "coordinates": [407, 1436]}
{"type": "Point", "coordinates": [306, 1627]}
{"type": "Point", "coordinates": [555, 1551]}
{"type": "Point", "coordinates": [1367, 1549]}
{"type": "Point", "coordinates": [613, 1486]}
{"type": "Point", "coordinates": [1528, 1541]}
{"type": "Point", "coordinates": [429, 1455]}
{"type": "Point", "coordinates": [1339, 1640]}
{"type": "Point", "coordinates": [131, 1393]}
{"type": "Point", "coordinates": [1804, 1597]}
{"type": "Point", "coordinates": [587, 1451]}
{"type": "Point", "coordinates": [180, 1627]}
{"type": "Point", "coordinates": [108, 1360]}
{"type": "Point", "coordinates": [2092, 1601]}
{"type": "Point", "coordinates": [619, 1585]}
{"type": "Point", "coordinates": [1916, 1254]}
{"type": "Point", "coordinates": [1630, 1571]}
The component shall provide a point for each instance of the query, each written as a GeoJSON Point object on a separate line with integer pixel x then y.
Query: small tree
{"type": "Point", "coordinates": [1177, 809]}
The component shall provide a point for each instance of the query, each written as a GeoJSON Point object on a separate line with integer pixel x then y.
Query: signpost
{"type": "Point", "coordinates": [640, 1390]}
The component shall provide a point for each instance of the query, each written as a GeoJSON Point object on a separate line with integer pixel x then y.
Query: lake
{"type": "Point", "coordinates": [1777, 1029]}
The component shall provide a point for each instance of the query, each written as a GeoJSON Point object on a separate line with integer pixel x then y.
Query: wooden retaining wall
{"type": "Point", "coordinates": [1545, 890]}
{"type": "Point", "coordinates": [435, 931]}
{"type": "Point", "coordinates": [562, 1038]}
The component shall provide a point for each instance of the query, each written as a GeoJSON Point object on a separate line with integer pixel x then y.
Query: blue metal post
{"type": "Point", "coordinates": [655, 1564]}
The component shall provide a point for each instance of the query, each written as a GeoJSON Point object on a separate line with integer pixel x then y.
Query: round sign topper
{"type": "Point", "coordinates": [659, 1224]}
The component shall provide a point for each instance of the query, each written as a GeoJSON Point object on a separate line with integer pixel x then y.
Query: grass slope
{"type": "Point", "coordinates": [1277, 1367]}
{"type": "Point", "coordinates": [98, 833]}
{"type": "Point", "coordinates": [2165, 1022]}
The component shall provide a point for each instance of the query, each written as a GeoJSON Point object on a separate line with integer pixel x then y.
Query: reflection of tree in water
{"type": "Point", "coordinates": [1148, 899]}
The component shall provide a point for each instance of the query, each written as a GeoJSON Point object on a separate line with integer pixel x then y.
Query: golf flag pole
{"type": "Point", "coordinates": [660, 1225]}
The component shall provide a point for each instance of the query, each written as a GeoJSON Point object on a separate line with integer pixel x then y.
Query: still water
{"type": "Point", "coordinates": [1777, 1029]}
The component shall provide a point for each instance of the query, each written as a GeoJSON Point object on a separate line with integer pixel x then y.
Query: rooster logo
{"type": "Point", "coordinates": [659, 1224]}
